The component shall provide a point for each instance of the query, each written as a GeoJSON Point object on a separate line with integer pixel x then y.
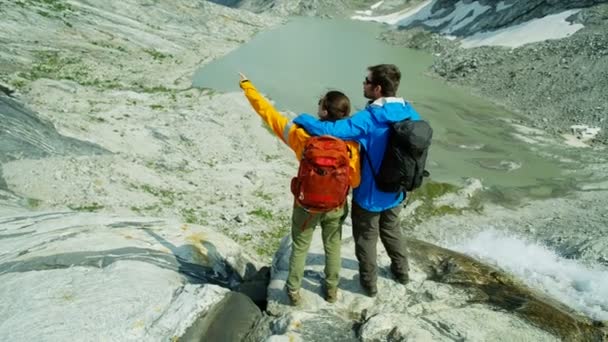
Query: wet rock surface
{"type": "Point", "coordinates": [231, 319]}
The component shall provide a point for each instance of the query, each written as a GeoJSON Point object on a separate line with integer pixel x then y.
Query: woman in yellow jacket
{"type": "Point", "coordinates": [333, 106]}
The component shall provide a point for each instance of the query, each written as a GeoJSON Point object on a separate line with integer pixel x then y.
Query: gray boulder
{"type": "Point", "coordinates": [115, 278]}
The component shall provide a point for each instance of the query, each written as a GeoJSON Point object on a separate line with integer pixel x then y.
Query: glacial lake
{"type": "Point", "coordinates": [296, 63]}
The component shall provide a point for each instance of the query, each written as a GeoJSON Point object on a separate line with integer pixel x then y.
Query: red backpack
{"type": "Point", "coordinates": [324, 175]}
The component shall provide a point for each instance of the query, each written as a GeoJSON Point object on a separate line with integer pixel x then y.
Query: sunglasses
{"type": "Point", "coordinates": [367, 81]}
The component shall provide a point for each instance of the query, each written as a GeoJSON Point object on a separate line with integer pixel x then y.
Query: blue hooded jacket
{"type": "Point", "coordinates": [370, 128]}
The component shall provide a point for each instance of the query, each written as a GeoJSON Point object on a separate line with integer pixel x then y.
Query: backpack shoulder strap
{"type": "Point", "coordinates": [350, 151]}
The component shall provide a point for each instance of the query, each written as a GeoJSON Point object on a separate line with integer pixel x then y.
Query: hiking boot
{"type": "Point", "coordinates": [370, 290]}
{"type": "Point", "coordinates": [294, 296]}
{"type": "Point", "coordinates": [402, 278]}
{"type": "Point", "coordinates": [331, 295]}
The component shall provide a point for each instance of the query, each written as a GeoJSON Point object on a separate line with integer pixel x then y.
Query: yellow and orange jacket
{"type": "Point", "coordinates": [294, 136]}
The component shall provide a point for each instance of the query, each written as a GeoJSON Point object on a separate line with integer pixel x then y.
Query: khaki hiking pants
{"type": "Point", "coordinates": [366, 227]}
{"type": "Point", "coordinates": [302, 228]}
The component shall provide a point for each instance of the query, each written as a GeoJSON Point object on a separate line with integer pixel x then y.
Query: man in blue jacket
{"type": "Point", "coordinates": [373, 211]}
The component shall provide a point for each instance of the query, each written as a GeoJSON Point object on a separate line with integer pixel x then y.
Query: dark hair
{"type": "Point", "coordinates": [336, 104]}
{"type": "Point", "coordinates": [387, 76]}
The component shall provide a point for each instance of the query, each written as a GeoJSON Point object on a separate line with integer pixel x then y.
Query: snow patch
{"type": "Point", "coordinates": [403, 17]}
{"type": "Point", "coordinates": [585, 132]}
{"type": "Point", "coordinates": [502, 6]}
{"type": "Point", "coordinates": [581, 134]}
{"type": "Point", "coordinates": [371, 9]}
{"type": "Point", "coordinates": [550, 27]}
{"type": "Point", "coordinates": [377, 4]}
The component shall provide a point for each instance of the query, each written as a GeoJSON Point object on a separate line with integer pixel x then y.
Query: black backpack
{"type": "Point", "coordinates": [402, 167]}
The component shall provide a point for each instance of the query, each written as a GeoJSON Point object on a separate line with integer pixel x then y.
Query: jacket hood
{"type": "Point", "coordinates": [391, 109]}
